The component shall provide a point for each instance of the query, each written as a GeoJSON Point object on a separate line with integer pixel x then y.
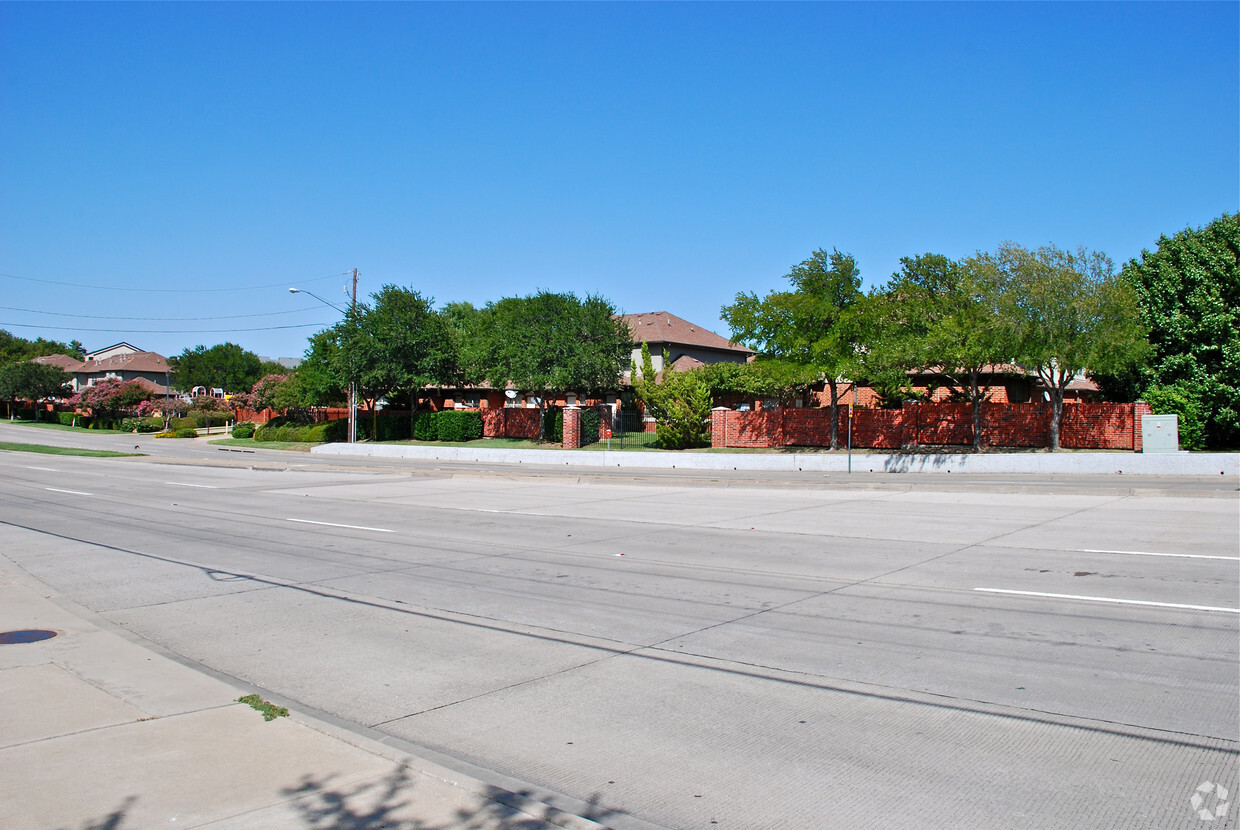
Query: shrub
{"type": "Point", "coordinates": [424, 426]}
{"type": "Point", "coordinates": [283, 429]}
{"type": "Point", "coordinates": [67, 419]}
{"type": "Point", "coordinates": [386, 428]}
{"type": "Point", "coordinates": [243, 430]}
{"type": "Point", "coordinates": [210, 417]}
{"type": "Point", "coordinates": [178, 433]}
{"type": "Point", "coordinates": [181, 423]}
{"type": "Point", "coordinates": [589, 426]}
{"type": "Point", "coordinates": [553, 425]}
{"type": "Point", "coordinates": [142, 424]}
{"type": "Point", "coordinates": [1175, 400]}
{"type": "Point", "coordinates": [458, 426]}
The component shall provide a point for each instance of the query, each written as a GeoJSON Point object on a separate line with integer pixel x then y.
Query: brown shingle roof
{"type": "Point", "coordinates": [136, 362]}
{"type": "Point", "coordinates": [64, 361]}
{"type": "Point", "coordinates": [662, 327]}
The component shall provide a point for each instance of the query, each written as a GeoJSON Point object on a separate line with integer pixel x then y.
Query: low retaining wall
{"type": "Point", "coordinates": [1076, 463]}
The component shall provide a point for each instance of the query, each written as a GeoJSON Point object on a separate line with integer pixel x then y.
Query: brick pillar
{"type": "Point", "coordinates": [1138, 409]}
{"type": "Point", "coordinates": [572, 428]}
{"type": "Point", "coordinates": [719, 426]}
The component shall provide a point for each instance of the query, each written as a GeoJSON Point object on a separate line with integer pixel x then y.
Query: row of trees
{"type": "Point", "coordinates": [1049, 311]}
{"type": "Point", "coordinates": [397, 344]}
{"type": "Point", "coordinates": [1164, 328]}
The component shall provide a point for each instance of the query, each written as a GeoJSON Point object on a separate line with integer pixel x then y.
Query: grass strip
{"type": "Point", "coordinates": [46, 450]}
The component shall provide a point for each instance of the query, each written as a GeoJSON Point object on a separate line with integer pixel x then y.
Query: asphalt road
{"type": "Point", "coordinates": [689, 650]}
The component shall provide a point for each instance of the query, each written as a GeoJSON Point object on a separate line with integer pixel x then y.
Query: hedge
{"type": "Point", "coordinates": [243, 430]}
{"type": "Point", "coordinates": [142, 424]}
{"type": "Point", "coordinates": [589, 426]}
{"type": "Point", "coordinates": [553, 425]}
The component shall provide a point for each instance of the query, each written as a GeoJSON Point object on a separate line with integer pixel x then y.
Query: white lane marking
{"type": "Point", "coordinates": [1150, 553]}
{"type": "Point", "coordinates": [1110, 599]}
{"type": "Point", "coordinates": [350, 527]}
{"type": "Point", "coordinates": [44, 469]}
{"type": "Point", "coordinates": [183, 484]}
{"type": "Point", "coordinates": [74, 492]}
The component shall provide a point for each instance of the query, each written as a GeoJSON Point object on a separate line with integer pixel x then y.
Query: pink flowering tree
{"type": "Point", "coordinates": [112, 396]}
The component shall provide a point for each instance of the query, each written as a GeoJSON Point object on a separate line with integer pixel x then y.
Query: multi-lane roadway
{"type": "Point", "coordinates": [689, 650]}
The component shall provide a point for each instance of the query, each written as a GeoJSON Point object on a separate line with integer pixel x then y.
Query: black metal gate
{"type": "Point", "coordinates": [629, 430]}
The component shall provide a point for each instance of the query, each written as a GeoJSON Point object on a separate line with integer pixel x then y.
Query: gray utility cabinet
{"type": "Point", "coordinates": [1160, 433]}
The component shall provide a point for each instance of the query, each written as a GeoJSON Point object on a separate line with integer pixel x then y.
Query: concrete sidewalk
{"type": "Point", "coordinates": [98, 731]}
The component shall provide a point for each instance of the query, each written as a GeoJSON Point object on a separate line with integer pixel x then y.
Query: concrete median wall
{"type": "Point", "coordinates": [1073, 463]}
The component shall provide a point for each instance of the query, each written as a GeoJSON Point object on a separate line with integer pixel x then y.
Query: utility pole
{"type": "Point", "coordinates": [352, 382]}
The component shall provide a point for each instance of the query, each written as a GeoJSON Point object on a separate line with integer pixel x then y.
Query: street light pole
{"type": "Point", "coordinates": [352, 385]}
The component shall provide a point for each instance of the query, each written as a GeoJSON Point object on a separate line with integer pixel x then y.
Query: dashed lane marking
{"type": "Point", "coordinates": [1111, 600]}
{"type": "Point", "coordinates": [350, 527]}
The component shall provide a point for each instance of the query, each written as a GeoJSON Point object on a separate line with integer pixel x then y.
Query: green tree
{"type": "Point", "coordinates": [35, 382]}
{"type": "Point", "coordinates": [226, 366]}
{"type": "Point", "coordinates": [679, 402]}
{"type": "Point", "coordinates": [550, 344]}
{"type": "Point", "coordinates": [323, 378]}
{"type": "Point", "coordinates": [816, 325]}
{"type": "Point", "coordinates": [1068, 312]}
{"type": "Point", "coordinates": [405, 346]}
{"type": "Point", "coordinates": [936, 313]}
{"type": "Point", "coordinates": [14, 348]}
{"type": "Point", "coordinates": [765, 378]}
{"type": "Point", "coordinates": [1188, 292]}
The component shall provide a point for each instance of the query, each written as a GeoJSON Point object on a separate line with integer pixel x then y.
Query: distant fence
{"type": "Point", "coordinates": [1098, 426]}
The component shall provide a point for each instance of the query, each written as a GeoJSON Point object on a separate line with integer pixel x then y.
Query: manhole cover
{"type": "Point", "coordinates": [30, 635]}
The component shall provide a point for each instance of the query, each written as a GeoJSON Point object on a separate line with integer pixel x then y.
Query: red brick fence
{"type": "Point", "coordinates": [1097, 426]}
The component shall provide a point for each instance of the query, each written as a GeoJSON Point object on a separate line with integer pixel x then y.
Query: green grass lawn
{"type": "Point", "coordinates": [63, 428]}
{"type": "Point", "coordinates": [43, 448]}
{"type": "Point", "coordinates": [250, 443]}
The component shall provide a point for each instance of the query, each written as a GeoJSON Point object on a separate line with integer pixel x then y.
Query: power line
{"type": "Point", "coordinates": [161, 331]}
{"type": "Point", "coordinates": [166, 319]}
{"type": "Point", "coordinates": [171, 290]}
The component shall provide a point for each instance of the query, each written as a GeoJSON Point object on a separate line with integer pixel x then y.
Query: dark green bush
{"type": "Point", "coordinates": [181, 423]}
{"type": "Point", "coordinates": [245, 429]}
{"type": "Point", "coordinates": [424, 426]}
{"type": "Point", "coordinates": [66, 419]}
{"type": "Point", "coordinates": [213, 418]}
{"type": "Point", "coordinates": [142, 424]}
{"type": "Point", "coordinates": [458, 426]}
{"type": "Point", "coordinates": [386, 428]}
{"type": "Point", "coordinates": [589, 426]}
{"type": "Point", "coordinates": [553, 425]}
{"type": "Point", "coordinates": [283, 429]}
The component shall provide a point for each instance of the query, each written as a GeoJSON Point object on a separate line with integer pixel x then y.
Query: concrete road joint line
{"type": "Point", "coordinates": [1113, 600]}
{"type": "Point", "coordinates": [185, 484]}
{"type": "Point", "coordinates": [955, 703]}
{"type": "Point", "coordinates": [349, 527]}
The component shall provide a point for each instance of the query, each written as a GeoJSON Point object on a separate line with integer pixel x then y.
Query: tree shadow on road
{"type": "Point", "coordinates": [389, 804]}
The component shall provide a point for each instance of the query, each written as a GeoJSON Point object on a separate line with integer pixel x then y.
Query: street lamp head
{"type": "Point", "coordinates": [294, 291]}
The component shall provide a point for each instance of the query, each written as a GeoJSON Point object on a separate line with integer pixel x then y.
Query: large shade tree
{"type": "Point", "coordinates": [396, 344]}
{"type": "Point", "coordinates": [1067, 312]}
{"type": "Point", "coordinates": [936, 313]}
{"type": "Point", "coordinates": [816, 324]}
{"type": "Point", "coordinates": [35, 382]}
{"type": "Point", "coordinates": [1188, 292]}
{"type": "Point", "coordinates": [14, 348]}
{"type": "Point", "coordinates": [224, 366]}
{"type": "Point", "coordinates": [550, 344]}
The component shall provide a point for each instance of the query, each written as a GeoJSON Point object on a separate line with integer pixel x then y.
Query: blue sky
{"type": "Point", "coordinates": [176, 161]}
